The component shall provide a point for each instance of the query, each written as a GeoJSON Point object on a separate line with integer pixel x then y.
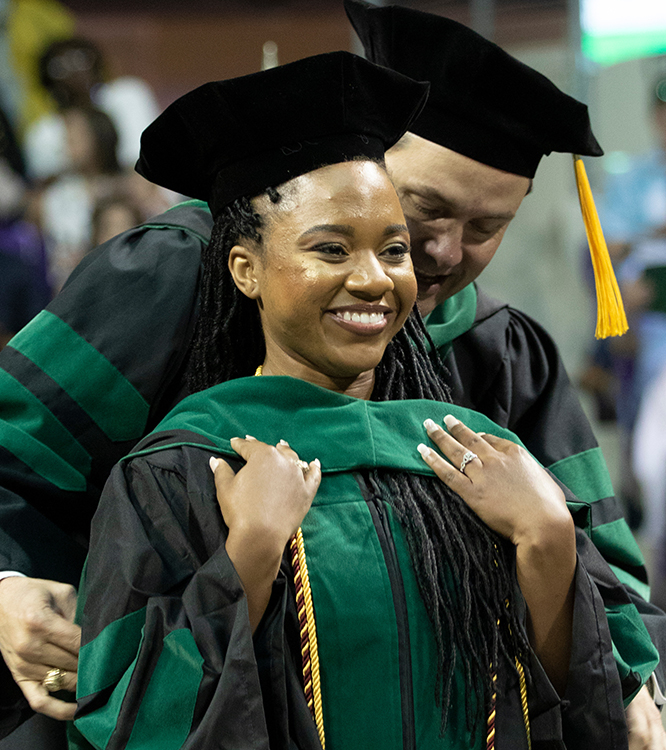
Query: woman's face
{"type": "Point", "coordinates": [334, 278]}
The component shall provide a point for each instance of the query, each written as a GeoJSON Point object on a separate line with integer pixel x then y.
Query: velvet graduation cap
{"type": "Point", "coordinates": [233, 138]}
{"type": "Point", "coordinates": [494, 109]}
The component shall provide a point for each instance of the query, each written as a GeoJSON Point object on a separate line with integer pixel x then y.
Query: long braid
{"type": "Point", "coordinates": [228, 341]}
{"type": "Point", "coordinates": [447, 542]}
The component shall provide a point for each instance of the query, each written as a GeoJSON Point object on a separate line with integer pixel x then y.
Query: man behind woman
{"type": "Point", "coordinates": [450, 607]}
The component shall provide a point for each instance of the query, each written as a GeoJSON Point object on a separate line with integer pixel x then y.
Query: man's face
{"type": "Point", "coordinates": [457, 211]}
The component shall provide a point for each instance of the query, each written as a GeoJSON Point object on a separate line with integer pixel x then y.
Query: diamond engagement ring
{"type": "Point", "coordinates": [54, 680]}
{"type": "Point", "coordinates": [469, 456]}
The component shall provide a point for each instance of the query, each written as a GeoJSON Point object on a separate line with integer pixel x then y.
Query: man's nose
{"type": "Point", "coordinates": [368, 278]}
{"type": "Point", "coordinates": [444, 246]}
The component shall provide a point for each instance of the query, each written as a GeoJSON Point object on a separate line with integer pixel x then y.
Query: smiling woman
{"type": "Point", "coordinates": [333, 580]}
{"type": "Point", "coordinates": [335, 283]}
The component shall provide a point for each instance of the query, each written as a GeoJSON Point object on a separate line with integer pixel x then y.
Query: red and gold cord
{"type": "Point", "coordinates": [308, 631]}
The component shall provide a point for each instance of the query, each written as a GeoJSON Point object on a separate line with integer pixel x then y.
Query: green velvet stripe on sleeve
{"type": "Point", "coordinates": [166, 697]}
{"type": "Point", "coordinates": [115, 405]}
{"type": "Point", "coordinates": [112, 658]}
{"type": "Point", "coordinates": [633, 650]}
{"type": "Point", "coordinates": [28, 427]}
{"type": "Point", "coordinates": [98, 727]}
{"type": "Point", "coordinates": [104, 660]}
{"type": "Point", "coordinates": [586, 475]}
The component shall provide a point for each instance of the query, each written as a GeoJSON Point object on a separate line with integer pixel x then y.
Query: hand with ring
{"type": "Point", "coordinates": [55, 680]}
{"type": "Point", "coordinates": [498, 479]}
{"type": "Point", "coordinates": [39, 642]}
{"type": "Point", "coordinates": [518, 499]}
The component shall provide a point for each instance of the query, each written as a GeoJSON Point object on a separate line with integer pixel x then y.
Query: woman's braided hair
{"type": "Point", "coordinates": [474, 624]}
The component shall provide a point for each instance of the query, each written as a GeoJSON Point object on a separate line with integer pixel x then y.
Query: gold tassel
{"type": "Point", "coordinates": [611, 318]}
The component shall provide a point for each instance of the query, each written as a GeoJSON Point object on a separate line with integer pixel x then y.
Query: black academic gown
{"type": "Point", "coordinates": [96, 371]}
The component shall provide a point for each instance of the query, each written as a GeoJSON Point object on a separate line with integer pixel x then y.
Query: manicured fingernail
{"type": "Point", "coordinates": [213, 463]}
{"type": "Point", "coordinates": [450, 421]}
{"type": "Point", "coordinates": [430, 425]}
{"type": "Point", "coordinates": [423, 450]}
{"type": "Point", "coordinates": [283, 442]}
{"type": "Point", "coordinates": [249, 437]}
{"type": "Point", "coordinates": [480, 434]}
{"type": "Point", "coordinates": [317, 463]}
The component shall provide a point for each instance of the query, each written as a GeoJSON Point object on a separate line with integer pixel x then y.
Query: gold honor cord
{"type": "Point", "coordinates": [492, 713]}
{"type": "Point", "coordinates": [308, 631]}
{"type": "Point", "coordinates": [523, 702]}
{"type": "Point", "coordinates": [307, 627]}
{"type": "Point", "coordinates": [611, 318]}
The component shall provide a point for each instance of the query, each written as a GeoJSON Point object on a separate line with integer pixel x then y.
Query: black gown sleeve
{"type": "Point", "coordinates": [166, 628]}
{"type": "Point", "coordinates": [509, 368]}
{"type": "Point", "coordinates": [80, 385]}
{"type": "Point", "coordinates": [85, 380]}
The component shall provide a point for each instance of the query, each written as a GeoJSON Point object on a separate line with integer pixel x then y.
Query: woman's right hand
{"type": "Point", "coordinates": [263, 505]}
{"type": "Point", "coordinates": [270, 495]}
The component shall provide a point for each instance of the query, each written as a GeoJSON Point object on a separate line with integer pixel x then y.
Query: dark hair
{"type": "Point", "coordinates": [474, 623]}
{"type": "Point", "coordinates": [66, 57]}
{"type": "Point", "coordinates": [104, 136]}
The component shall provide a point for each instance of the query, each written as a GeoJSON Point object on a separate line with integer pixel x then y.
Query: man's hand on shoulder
{"type": "Point", "coordinates": [646, 732]}
{"type": "Point", "coordinates": [37, 635]}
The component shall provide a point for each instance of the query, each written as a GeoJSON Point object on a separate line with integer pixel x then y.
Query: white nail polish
{"type": "Point", "coordinates": [450, 421]}
{"type": "Point", "coordinates": [317, 463]}
{"type": "Point", "coordinates": [283, 442]}
{"type": "Point", "coordinates": [423, 450]}
{"type": "Point", "coordinates": [430, 425]}
{"type": "Point", "coordinates": [213, 462]}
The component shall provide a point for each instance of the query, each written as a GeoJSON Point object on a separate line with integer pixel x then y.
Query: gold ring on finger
{"type": "Point", "coordinates": [54, 680]}
{"type": "Point", "coordinates": [467, 458]}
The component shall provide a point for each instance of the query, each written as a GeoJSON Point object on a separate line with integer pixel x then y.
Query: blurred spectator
{"type": "Point", "coordinates": [649, 459]}
{"type": "Point", "coordinates": [634, 220]}
{"type": "Point", "coordinates": [114, 215]}
{"type": "Point", "coordinates": [64, 209]}
{"type": "Point", "coordinates": [73, 73]}
{"type": "Point", "coordinates": [633, 215]}
{"type": "Point", "coordinates": [23, 288]}
{"type": "Point", "coordinates": [20, 299]}
{"type": "Point", "coordinates": [26, 28]}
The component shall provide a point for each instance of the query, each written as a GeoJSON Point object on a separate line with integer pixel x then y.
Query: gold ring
{"type": "Point", "coordinates": [54, 680]}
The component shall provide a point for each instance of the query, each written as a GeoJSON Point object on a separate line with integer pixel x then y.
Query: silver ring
{"type": "Point", "coordinates": [467, 458]}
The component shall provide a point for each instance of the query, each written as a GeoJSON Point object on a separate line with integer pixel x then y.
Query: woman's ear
{"type": "Point", "coordinates": [243, 266]}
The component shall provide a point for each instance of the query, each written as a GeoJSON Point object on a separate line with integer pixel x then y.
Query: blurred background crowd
{"type": "Point", "coordinates": [80, 80]}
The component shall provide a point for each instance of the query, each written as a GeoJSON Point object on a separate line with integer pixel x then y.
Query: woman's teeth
{"type": "Point", "coordinates": [355, 317]}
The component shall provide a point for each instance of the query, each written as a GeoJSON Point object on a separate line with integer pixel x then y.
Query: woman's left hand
{"type": "Point", "coordinates": [518, 499]}
{"type": "Point", "coordinates": [502, 483]}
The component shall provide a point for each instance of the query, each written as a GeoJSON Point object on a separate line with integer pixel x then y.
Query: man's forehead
{"type": "Point", "coordinates": [451, 181]}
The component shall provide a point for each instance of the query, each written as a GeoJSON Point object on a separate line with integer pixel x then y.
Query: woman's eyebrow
{"type": "Point", "coordinates": [344, 229]}
{"type": "Point", "coordinates": [395, 228]}
{"type": "Point", "coordinates": [348, 231]}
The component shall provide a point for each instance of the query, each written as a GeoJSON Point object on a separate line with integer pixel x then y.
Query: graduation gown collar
{"type": "Point", "coordinates": [345, 433]}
